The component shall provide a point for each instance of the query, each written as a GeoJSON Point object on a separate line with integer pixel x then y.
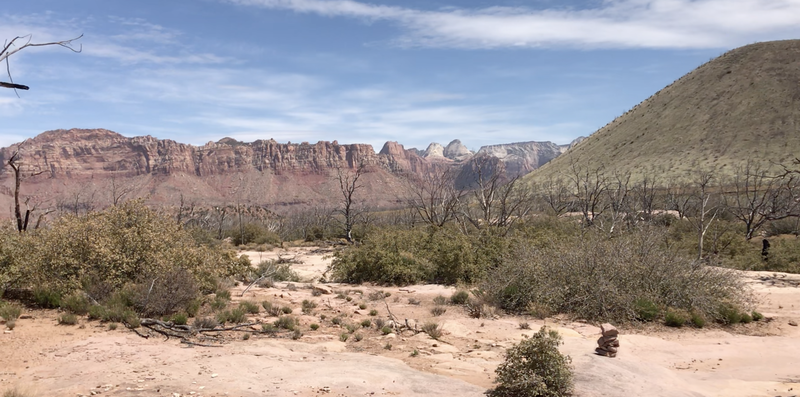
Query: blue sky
{"type": "Point", "coordinates": [412, 71]}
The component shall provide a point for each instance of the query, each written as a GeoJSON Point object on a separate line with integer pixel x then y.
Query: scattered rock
{"type": "Point", "coordinates": [792, 323]}
{"type": "Point", "coordinates": [324, 289]}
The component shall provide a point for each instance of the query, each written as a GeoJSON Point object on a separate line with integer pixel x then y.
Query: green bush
{"type": "Point", "coordinates": [235, 316]}
{"type": "Point", "coordinates": [459, 297]}
{"type": "Point", "coordinates": [180, 319]}
{"type": "Point", "coordinates": [757, 316]}
{"type": "Point", "coordinates": [47, 298]}
{"type": "Point", "coordinates": [76, 303]}
{"type": "Point", "coordinates": [366, 323]}
{"type": "Point", "coordinates": [308, 306]}
{"type": "Point", "coordinates": [674, 319]}
{"type": "Point", "coordinates": [646, 310]}
{"type": "Point", "coordinates": [286, 322]}
{"type": "Point", "coordinates": [67, 319]}
{"type": "Point", "coordinates": [698, 320]}
{"type": "Point", "coordinates": [386, 330]}
{"type": "Point", "coordinates": [252, 233]}
{"type": "Point", "coordinates": [10, 311]}
{"type": "Point", "coordinates": [249, 307]}
{"type": "Point", "coordinates": [534, 368]}
{"type": "Point", "coordinates": [433, 329]}
{"type": "Point", "coordinates": [314, 326]}
{"type": "Point", "coordinates": [438, 310]}
{"type": "Point", "coordinates": [729, 314]}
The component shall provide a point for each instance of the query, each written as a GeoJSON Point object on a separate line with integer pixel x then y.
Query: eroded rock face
{"type": "Point", "coordinates": [455, 150]}
{"type": "Point", "coordinates": [89, 162]}
{"type": "Point", "coordinates": [523, 157]}
{"type": "Point", "coordinates": [434, 150]}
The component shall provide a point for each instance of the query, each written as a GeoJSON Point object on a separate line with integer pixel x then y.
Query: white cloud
{"type": "Point", "coordinates": [614, 24]}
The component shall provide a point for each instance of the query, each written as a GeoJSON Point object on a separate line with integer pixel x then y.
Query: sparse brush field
{"type": "Point", "coordinates": [448, 301]}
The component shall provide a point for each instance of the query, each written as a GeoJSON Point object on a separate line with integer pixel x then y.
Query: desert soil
{"type": "Point", "coordinates": [41, 358]}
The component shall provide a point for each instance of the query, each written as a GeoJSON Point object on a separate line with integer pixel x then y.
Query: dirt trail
{"type": "Point", "coordinates": [757, 359]}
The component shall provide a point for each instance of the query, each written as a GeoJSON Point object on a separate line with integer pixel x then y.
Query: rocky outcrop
{"type": "Point", "coordinates": [455, 150]}
{"type": "Point", "coordinates": [434, 150]}
{"type": "Point", "coordinates": [523, 157]}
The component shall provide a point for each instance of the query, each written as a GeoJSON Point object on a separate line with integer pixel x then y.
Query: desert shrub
{"type": "Point", "coordinates": [116, 247]}
{"type": "Point", "coordinates": [783, 226]}
{"type": "Point", "coordinates": [729, 314]}
{"type": "Point", "coordinates": [379, 323]}
{"type": "Point", "coordinates": [223, 293]}
{"type": "Point", "coordinates": [314, 326]}
{"type": "Point", "coordinates": [179, 319]}
{"type": "Point", "coordinates": [76, 303]}
{"type": "Point", "coordinates": [438, 310]}
{"type": "Point", "coordinates": [645, 309]}
{"type": "Point", "coordinates": [308, 306]}
{"type": "Point", "coordinates": [11, 324]}
{"type": "Point", "coordinates": [15, 393]}
{"type": "Point", "coordinates": [344, 336]}
{"type": "Point", "coordinates": [193, 307]}
{"type": "Point", "coordinates": [784, 256]}
{"type": "Point", "coordinates": [459, 297]}
{"type": "Point", "coordinates": [249, 307]}
{"type": "Point", "coordinates": [384, 257]}
{"type": "Point", "coordinates": [366, 323]}
{"type": "Point", "coordinates": [362, 306]}
{"type": "Point", "coordinates": [698, 320]}
{"type": "Point", "coordinates": [297, 334]}
{"type": "Point", "coordinates": [10, 311]}
{"type": "Point", "coordinates": [47, 298]}
{"type": "Point", "coordinates": [286, 322]}
{"type": "Point", "coordinates": [386, 330]}
{"type": "Point", "coordinates": [252, 233]}
{"type": "Point", "coordinates": [164, 292]}
{"type": "Point", "coordinates": [277, 271]}
{"type": "Point", "coordinates": [524, 325]}
{"type": "Point", "coordinates": [286, 310]}
{"type": "Point", "coordinates": [269, 329]}
{"type": "Point", "coordinates": [112, 327]}
{"type": "Point", "coordinates": [601, 278]}
{"type": "Point", "coordinates": [219, 303]}
{"type": "Point", "coordinates": [205, 323]}
{"type": "Point", "coordinates": [235, 316]}
{"type": "Point", "coordinates": [67, 319]}
{"type": "Point", "coordinates": [674, 319]}
{"type": "Point", "coordinates": [413, 301]}
{"type": "Point", "coordinates": [440, 300]}
{"type": "Point", "coordinates": [433, 329]}
{"type": "Point", "coordinates": [373, 312]}
{"type": "Point", "coordinates": [336, 320]}
{"type": "Point", "coordinates": [534, 368]}
{"type": "Point", "coordinates": [746, 318]}
{"type": "Point", "coordinates": [358, 337]}
{"type": "Point", "coordinates": [757, 316]}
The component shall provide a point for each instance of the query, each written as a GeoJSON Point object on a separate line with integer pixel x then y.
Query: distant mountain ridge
{"type": "Point", "coordinates": [263, 172]}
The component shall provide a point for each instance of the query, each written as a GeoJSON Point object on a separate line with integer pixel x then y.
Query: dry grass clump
{"type": "Point", "coordinates": [433, 329]}
{"type": "Point", "coordinates": [630, 277]}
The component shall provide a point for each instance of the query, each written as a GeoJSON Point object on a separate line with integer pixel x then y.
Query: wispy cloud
{"type": "Point", "coordinates": [613, 24]}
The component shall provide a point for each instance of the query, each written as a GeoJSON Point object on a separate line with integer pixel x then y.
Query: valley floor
{"type": "Point", "coordinates": [41, 358]}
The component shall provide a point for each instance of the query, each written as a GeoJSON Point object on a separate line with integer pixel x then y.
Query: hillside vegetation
{"type": "Point", "coordinates": [745, 104]}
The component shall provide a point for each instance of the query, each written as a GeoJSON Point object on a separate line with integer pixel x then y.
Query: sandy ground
{"type": "Point", "coordinates": [758, 359]}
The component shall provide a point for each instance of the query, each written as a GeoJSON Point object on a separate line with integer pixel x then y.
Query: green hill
{"type": "Point", "coordinates": [742, 105]}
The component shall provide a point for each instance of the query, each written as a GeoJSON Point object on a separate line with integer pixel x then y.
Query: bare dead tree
{"type": "Point", "coordinates": [645, 193]}
{"type": "Point", "coordinates": [435, 197]}
{"type": "Point", "coordinates": [19, 43]}
{"type": "Point", "coordinates": [348, 185]}
{"type": "Point", "coordinates": [589, 188]}
{"type": "Point", "coordinates": [496, 201]}
{"type": "Point", "coordinates": [618, 199]}
{"type": "Point", "coordinates": [758, 198]}
{"type": "Point", "coordinates": [705, 211]}
{"type": "Point", "coordinates": [557, 195]}
{"type": "Point", "coordinates": [16, 166]}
